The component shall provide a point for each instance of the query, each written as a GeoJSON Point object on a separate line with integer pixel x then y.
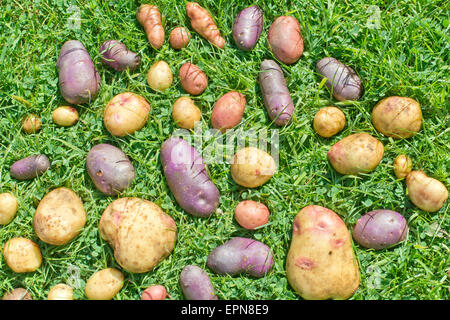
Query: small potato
{"type": "Point", "coordinates": [8, 207]}
{"type": "Point", "coordinates": [65, 116]}
{"type": "Point", "coordinates": [60, 292]}
{"type": "Point", "coordinates": [228, 111]}
{"type": "Point", "coordinates": [160, 77]}
{"type": "Point", "coordinates": [22, 255]}
{"type": "Point", "coordinates": [196, 285]}
{"type": "Point", "coordinates": [104, 284]}
{"type": "Point", "coordinates": [179, 38]}
{"type": "Point", "coordinates": [252, 167]}
{"type": "Point", "coordinates": [402, 166]}
{"type": "Point", "coordinates": [251, 214]}
{"type": "Point", "coordinates": [30, 167]}
{"type": "Point", "coordinates": [126, 113]}
{"type": "Point", "coordinates": [185, 113]}
{"type": "Point", "coordinates": [329, 121]}
{"type": "Point", "coordinates": [156, 292]}
{"type": "Point", "coordinates": [31, 124]}
{"type": "Point", "coordinates": [17, 294]}
{"type": "Point", "coordinates": [397, 117]}
{"type": "Point", "coordinates": [193, 79]}
{"type": "Point", "coordinates": [285, 39]}
{"type": "Point", "coordinates": [425, 192]}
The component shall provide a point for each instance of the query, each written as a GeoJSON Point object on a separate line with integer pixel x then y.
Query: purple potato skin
{"type": "Point", "coordinates": [240, 255]}
{"type": "Point", "coordinates": [380, 229]}
{"type": "Point", "coordinates": [247, 27]}
{"type": "Point", "coordinates": [342, 80]}
{"type": "Point", "coordinates": [109, 168]}
{"type": "Point", "coordinates": [116, 55]}
{"type": "Point", "coordinates": [196, 285]}
{"type": "Point", "coordinates": [30, 167]}
{"type": "Point", "coordinates": [187, 178]}
{"type": "Point", "coordinates": [79, 81]}
{"type": "Point", "coordinates": [276, 96]}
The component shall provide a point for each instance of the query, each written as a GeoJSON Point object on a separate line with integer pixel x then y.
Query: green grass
{"type": "Point", "coordinates": [407, 56]}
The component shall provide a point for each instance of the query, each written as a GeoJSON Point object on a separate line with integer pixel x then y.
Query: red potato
{"type": "Point", "coordinates": [156, 292]}
{"type": "Point", "coordinates": [228, 111]}
{"type": "Point", "coordinates": [285, 39]}
{"type": "Point", "coordinates": [203, 23]}
{"type": "Point", "coordinates": [251, 214]}
{"type": "Point", "coordinates": [193, 79]}
{"type": "Point", "coordinates": [179, 38]}
{"type": "Point", "coordinates": [150, 18]}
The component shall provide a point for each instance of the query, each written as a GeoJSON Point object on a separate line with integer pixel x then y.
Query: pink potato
{"type": "Point", "coordinates": [193, 79]}
{"type": "Point", "coordinates": [228, 111]}
{"type": "Point", "coordinates": [155, 292]}
{"type": "Point", "coordinates": [179, 38]}
{"type": "Point", "coordinates": [251, 214]}
{"type": "Point", "coordinates": [285, 39]}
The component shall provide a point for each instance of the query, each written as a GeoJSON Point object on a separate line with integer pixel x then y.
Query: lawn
{"type": "Point", "coordinates": [405, 52]}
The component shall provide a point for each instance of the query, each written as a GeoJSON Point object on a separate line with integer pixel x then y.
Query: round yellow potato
{"type": "Point", "coordinates": [126, 113]}
{"type": "Point", "coordinates": [60, 292]}
{"type": "Point", "coordinates": [402, 166]}
{"type": "Point", "coordinates": [59, 217]}
{"type": "Point", "coordinates": [8, 207]}
{"type": "Point", "coordinates": [31, 124]}
{"type": "Point", "coordinates": [65, 116]}
{"type": "Point", "coordinates": [425, 192]}
{"type": "Point", "coordinates": [104, 284]}
{"type": "Point", "coordinates": [160, 77]}
{"type": "Point", "coordinates": [397, 117]}
{"type": "Point", "coordinates": [22, 255]}
{"type": "Point", "coordinates": [252, 167]}
{"type": "Point", "coordinates": [185, 113]}
{"type": "Point", "coordinates": [329, 121]}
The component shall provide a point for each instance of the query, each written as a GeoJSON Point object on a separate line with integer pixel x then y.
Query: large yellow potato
{"type": "Point", "coordinates": [104, 284]}
{"type": "Point", "coordinates": [22, 255]}
{"type": "Point", "coordinates": [252, 167]}
{"type": "Point", "coordinates": [140, 233]}
{"type": "Point", "coordinates": [59, 217]}
{"type": "Point", "coordinates": [320, 262]}
{"type": "Point", "coordinates": [329, 121]}
{"type": "Point", "coordinates": [425, 192]}
{"type": "Point", "coordinates": [8, 207]}
{"type": "Point", "coordinates": [60, 291]}
{"type": "Point", "coordinates": [185, 113]}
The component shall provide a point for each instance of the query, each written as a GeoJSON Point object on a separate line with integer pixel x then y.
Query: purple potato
{"type": "Point", "coordinates": [275, 92]}
{"type": "Point", "coordinates": [247, 27]}
{"type": "Point", "coordinates": [380, 229]}
{"type": "Point", "coordinates": [110, 169]}
{"type": "Point", "coordinates": [30, 167]}
{"type": "Point", "coordinates": [196, 285]}
{"type": "Point", "coordinates": [187, 178]}
{"type": "Point", "coordinates": [240, 255]}
{"type": "Point", "coordinates": [116, 55]}
{"type": "Point", "coordinates": [79, 81]}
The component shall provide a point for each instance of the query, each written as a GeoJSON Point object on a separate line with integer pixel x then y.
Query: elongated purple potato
{"type": "Point", "coordinates": [187, 178]}
{"type": "Point", "coordinates": [196, 285]}
{"type": "Point", "coordinates": [116, 55]}
{"type": "Point", "coordinates": [30, 167]}
{"type": "Point", "coordinates": [79, 81]}
{"type": "Point", "coordinates": [275, 92]}
{"type": "Point", "coordinates": [240, 255]}
{"type": "Point", "coordinates": [109, 168]}
{"type": "Point", "coordinates": [380, 229]}
{"type": "Point", "coordinates": [247, 27]}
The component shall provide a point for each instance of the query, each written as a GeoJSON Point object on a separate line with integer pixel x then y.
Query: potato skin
{"type": "Point", "coordinates": [251, 214]}
{"type": "Point", "coordinates": [203, 24]}
{"type": "Point", "coordinates": [60, 291]}
{"type": "Point", "coordinates": [187, 178]}
{"type": "Point", "coordinates": [185, 113]}
{"type": "Point", "coordinates": [247, 27]}
{"type": "Point", "coordinates": [8, 207]}
{"type": "Point", "coordinates": [402, 166]}
{"type": "Point", "coordinates": [425, 192]}
{"type": "Point", "coordinates": [109, 168]}
{"type": "Point", "coordinates": [397, 117]}
{"type": "Point", "coordinates": [160, 77]}
{"type": "Point", "coordinates": [116, 55]}
{"type": "Point", "coordinates": [228, 111]}
{"type": "Point", "coordinates": [30, 167]}
{"type": "Point", "coordinates": [193, 79]}
{"type": "Point", "coordinates": [31, 124]}
{"type": "Point", "coordinates": [285, 39]}
{"type": "Point", "coordinates": [196, 285]}
{"type": "Point", "coordinates": [17, 294]}
{"type": "Point", "coordinates": [179, 38]}
{"type": "Point", "coordinates": [140, 233]}
{"type": "Point", "coordinates": [356, 153]}
{"type": "Point", "coordinates": [321, 263]}
{"type": "Point", "coordinates": [329, 121]}
{"type": "Point", "coordinates": [252, 167]}
{"type": "Point", "coordinates": [155, 292]}
{"type": "Point", "coordinates": [59, 217]}
{"type": "Point", "coordinates": [104, 284]}
{"type": "Point", "coordinates": [22, 255]}
{"type": "Point", "coordinates": [150, 18]}
{"type": "Point", "coordinates": [241, 255]}
{"type": "Point", "coordinates": [65, 116]}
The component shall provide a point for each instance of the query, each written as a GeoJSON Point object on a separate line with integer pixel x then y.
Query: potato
{"type": "Point", "coordinates": [251, 214]}
{"type": "Point", "coordinates": [397, 117]}
{"type": "Point", "coordinates": [126, 113]}
{"type": "Point", "coordinates": [60, 291]}
{"type": "Point", "coordinates": [195, 284]}
{"type": "Point", "coordinates": [22, 255]}
{"type": "Point", "coordinates": [186, 175]}
{"type": "Point", "coordinates": [150, 18]}
{"type": "Point", "coordinates": [160, 77]}
{"type": "Point", "coordinates": [155, 292]}
{"type": "Point", "coordinates": [329, 121]}
{"type": "Point", "coordinates": [104, 284]}
{"type": "Point", "coordinates": [109, 168]}
{"type": "Point", "coordinates": [17, 294]}
{"type": "Point", "coordinates": [185, 113]}
{"type": "Point", "coordinates": [203, 24]}
{"type": "Point", "coordinates": [65, 116]}
{"type": "Point", "coordinates": [321, 263]}
{"type": "Point", "coordinates": [59, 217]}
{"type": "Point", "coordinates": [179, 38]}
{"type": "Point", "coordinates": [8, 207]}
{"type": "Point", "coordinates": [402, 166]}
{"type": "Point", "coordinates": [247, 27]}
{"type": "Point", "coordinates": [355, 154]}
{"type": "Point", "coordinates": [140, 233]}
{"type": "Point", "coordinates": [228, 111]}
{"type": "Point", "coordinates": [342, 81]}
{"type": "Point", "coordinates": [116, 55]}
{"type": "Point", "coordinates": [31, 124]}
{"type": "Point", "coordinates": [252, 167]}
{"type": "Point", "coordinates": [241, 255]}
{"type": "Point", "coordinates": [380, 229]}
{"type": "Point", "coordinates": [285, 39]}
{"type": "Point", "coordinates": [30, 167]}
{"type": "Point", "coordinates": [193, 79]}
{"type": "Point", "coordinates": [425, 192]}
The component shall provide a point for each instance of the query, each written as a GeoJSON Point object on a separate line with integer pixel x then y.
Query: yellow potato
{"type": "Point", "coordinates": [104, 284]}
{"type": "Point", "coordinates": [31, 124]}
{"type": "Point", "coordinates": [185, 113]}
{"type": "Point", "coordinates": [8, 207]}
{"type": "Point", "coordinates": [65, 116]}
{"type": "Point", "coordinates": [59, 217]}
{"type": "Point", "coordinates": [17, 294]}
{"type": "Point", "coordinates": [22, 255]}
{"type": "Point", "coordinates": [329, 121]}
{"type": "Point", "coordinates": [252, 167]}
{"type": "Point", "coordinates": [160, 77]}
{"type": "Point", "coordinates": [402, 166]}
{"type": "Point", "coordinates": [60, 292]}
{"type": "Point", "coordinates": [425, 192]}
